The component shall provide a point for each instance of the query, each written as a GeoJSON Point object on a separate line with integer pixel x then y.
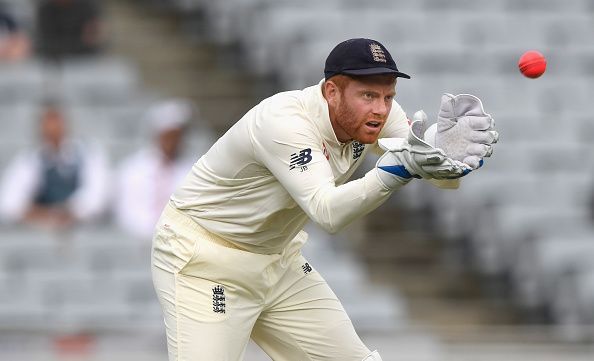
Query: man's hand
{"type": "Point", "coordinates": [413, 157]}
{"type": "Point", "coordinates": [463, 131]}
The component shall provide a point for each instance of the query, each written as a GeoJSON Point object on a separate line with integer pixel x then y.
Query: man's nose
{"type": "Point", "coordinates": [380, 107]}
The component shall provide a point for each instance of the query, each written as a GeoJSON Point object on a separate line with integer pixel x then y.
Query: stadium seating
{"type": "Point", "coordinates": [526, 216]}
{"type": "Point", "coordinates": [538, 185]}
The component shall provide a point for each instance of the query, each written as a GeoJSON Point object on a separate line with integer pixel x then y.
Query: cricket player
{"type": "Point", "coordinates": [226, 255]}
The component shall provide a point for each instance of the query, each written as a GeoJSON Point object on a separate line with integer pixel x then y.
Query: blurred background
{"type": "Point", "coordinates": [104, 106]}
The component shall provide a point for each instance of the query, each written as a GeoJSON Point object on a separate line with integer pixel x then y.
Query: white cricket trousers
{"type": "Point", "coordinates": [216, 296]}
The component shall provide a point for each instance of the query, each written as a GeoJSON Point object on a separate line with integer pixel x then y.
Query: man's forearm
{"type": "Point", "coordinates": [336, 207]}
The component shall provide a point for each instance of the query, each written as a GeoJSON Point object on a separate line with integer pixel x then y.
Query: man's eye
{"type": "Point", "coordinates": [368, 95]}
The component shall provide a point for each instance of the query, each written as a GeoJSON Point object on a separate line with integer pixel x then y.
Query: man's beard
{"type": "Point", "coordinates": [346, 118]}
{"type": "Point", "coordinates": [348, 121]}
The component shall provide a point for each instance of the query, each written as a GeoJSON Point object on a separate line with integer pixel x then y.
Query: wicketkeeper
{"type": "Point", "coordinates": [226, 259]}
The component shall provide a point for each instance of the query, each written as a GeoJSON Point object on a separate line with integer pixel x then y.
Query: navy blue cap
{"type": "Point", "coordinates": [361, 57]}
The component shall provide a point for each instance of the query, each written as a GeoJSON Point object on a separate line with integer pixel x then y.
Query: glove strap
{"type": "Point", "coordinates": [398, 170]}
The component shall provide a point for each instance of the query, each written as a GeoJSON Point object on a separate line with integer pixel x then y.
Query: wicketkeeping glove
{"type": "Point", "coordinates": [463, 130]}
{"type": "Point", "coordinates": [413, 157]}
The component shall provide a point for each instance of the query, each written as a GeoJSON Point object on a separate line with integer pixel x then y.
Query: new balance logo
{"type": "Point", "coordinates": [306, 268]}
{"type": "Point", "coordinates": [218, 299]}
{"type": "Point", "coordinates": [300, 159]}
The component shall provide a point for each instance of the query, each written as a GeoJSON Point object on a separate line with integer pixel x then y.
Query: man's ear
{"type": "Point", "coordinates": [331, 92]}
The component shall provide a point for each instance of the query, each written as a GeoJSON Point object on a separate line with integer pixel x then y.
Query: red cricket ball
{"type": "Point", "coordinates": [532, 64]}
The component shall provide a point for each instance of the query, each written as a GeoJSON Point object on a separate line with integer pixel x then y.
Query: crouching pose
{"type": "Point", "coordinates": [226, 256]}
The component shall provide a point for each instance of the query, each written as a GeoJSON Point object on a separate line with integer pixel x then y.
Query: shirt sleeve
{"type": "Point", "coordinates": [291, 148]}
{"type": "Point", "coordinates": [19, 184]}
{"type": "Point", "coordinates": [90, 199]}
{"type": "Point", "coordinates": [128, 206]}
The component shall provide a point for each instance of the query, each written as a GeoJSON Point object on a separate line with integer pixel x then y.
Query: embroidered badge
{"type": "Point", "coordinates": [358, 149]}
{"type": "Point", "coordinates": [378, 53]}
{"type": "Point", "coordinates": [306, 268]}
{"type": "Point", "coordinates": [300, 159]}
{"type": "Point", "coordinates": [218, 299]}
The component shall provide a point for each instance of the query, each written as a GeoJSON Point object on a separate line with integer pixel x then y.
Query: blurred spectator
{"type": "Point", "coordinates": [14, 42]}
{"type": "Point", "coordinates": [147, 178]}
{"type": "Point", "coordinates": [58, 184]}
{"type": "Point", "coordinates": [68, 28]}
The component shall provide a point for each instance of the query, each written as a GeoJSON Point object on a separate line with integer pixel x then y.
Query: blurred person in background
{"type": "Point", "coordinates": [14, 41]}
{"type": "Point", "coordinates": [146, 179]}
{"type": "Point", "coordinates": [60, 183]}
{"type": "Point", "coordinates": [68, 28]}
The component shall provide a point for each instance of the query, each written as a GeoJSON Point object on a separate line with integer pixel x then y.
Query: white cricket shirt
{"type": "Point", "coordinates": [279, 165]}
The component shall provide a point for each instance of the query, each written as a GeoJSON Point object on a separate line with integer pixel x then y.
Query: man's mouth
{"type": "Point", "coordinates": [373, 124]}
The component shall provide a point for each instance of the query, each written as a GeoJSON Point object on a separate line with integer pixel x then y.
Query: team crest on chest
{"type": "Point", "coordinates": [358, 149]}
